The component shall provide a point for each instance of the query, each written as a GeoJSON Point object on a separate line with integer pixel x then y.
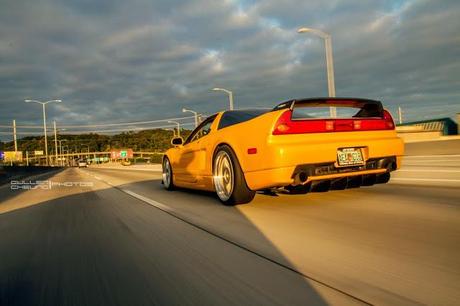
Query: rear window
{"type": "Point", "coordinates": [309, 112]}
{"type": "Point", "coordinates": [234, 117]}
{"type": "Point", "coordinates": [344, 109]}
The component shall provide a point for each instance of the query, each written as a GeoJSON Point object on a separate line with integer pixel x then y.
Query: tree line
{"type": "Point", "coordinates": [155, 140]}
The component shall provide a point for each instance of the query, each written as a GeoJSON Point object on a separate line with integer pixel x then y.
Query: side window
{"type": "Point", "coordinates": [205, 129]}
{"type": "Point", "coordinates": [230, 118]}
{"type": "Point", "coordinates": [202, 130]}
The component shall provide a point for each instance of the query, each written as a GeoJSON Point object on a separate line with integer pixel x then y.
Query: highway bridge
{"type": "Point", "coordinates": [116, 237]}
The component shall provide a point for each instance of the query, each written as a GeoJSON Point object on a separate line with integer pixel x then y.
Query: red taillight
{"type": "Point", "coordinates": [252, 151]}
{"type": "Point", "coordinates": [390, 125]}
{"type": "Point", "coordinates": [285, 125]}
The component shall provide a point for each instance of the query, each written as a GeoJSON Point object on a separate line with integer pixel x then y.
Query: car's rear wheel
{"type": "Point", "coordinates": [167, 174]}
{"type": "Point", "coordinates": [229, 181]}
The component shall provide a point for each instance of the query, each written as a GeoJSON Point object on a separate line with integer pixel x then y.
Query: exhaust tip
{"type": "Point", "coordinates": [391, 166]}
{"type": "Point", "coordinates": [303, 177]}
{"type": "Point", "coordinates": [300, 178]}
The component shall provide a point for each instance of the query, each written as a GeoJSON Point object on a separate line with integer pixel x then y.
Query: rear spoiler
{"type": "Point", "coordinates": [369, 108]}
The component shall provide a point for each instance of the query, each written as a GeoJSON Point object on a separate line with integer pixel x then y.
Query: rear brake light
{"type": "Point", "coordinates": [390, 125]}
{"type": "Point", "coordinates": [285, 125]}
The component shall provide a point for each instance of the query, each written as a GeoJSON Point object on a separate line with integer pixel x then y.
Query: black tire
{"type": "Point", "coordinates": [240, 193]}
{"type": "Point", "coordinates": [167, 175]}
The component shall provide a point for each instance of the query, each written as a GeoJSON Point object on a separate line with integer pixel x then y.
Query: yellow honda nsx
{"type": "Point", "coordinates": [296, 147]}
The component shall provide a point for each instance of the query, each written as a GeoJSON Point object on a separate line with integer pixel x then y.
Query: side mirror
{"type": "Point", "coordinates": [177, 141]}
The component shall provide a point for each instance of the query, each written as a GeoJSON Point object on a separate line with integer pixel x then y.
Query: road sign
{"type": "Point", "coordinates": [36, 153]}
{"type": "Point", "coordinates": [121, 154]}
{"type": "Point", "coordinates": [12, 156]}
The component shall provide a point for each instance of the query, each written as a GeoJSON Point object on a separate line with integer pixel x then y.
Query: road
{"type": "Point", "coordinates": [120, 239]}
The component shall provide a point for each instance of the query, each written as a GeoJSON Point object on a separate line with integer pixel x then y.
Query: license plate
{"type": "Point", "coordinates": [349, 157]}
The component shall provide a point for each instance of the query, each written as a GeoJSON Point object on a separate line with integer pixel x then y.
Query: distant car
{"type": "Point", "coordinates": [82, 163]}
{"type": "Point", "coordinates": [297, 146]}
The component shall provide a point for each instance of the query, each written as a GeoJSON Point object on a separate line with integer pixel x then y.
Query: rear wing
{"type": "Point", "coordinates": [368, 108]}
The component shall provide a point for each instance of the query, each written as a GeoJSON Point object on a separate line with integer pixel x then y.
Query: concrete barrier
{"type": "Point", "coordinates": [409, 136]}
{"type": "Point", "coordinates": [443, 146]}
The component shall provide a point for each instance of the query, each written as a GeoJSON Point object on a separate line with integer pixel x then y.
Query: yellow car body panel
{"type": "Point", "coordinates": [277, 155]}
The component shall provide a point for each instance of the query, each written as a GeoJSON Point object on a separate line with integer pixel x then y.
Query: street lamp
{"type": "Point", "coordinates": [178, 127]}
{"type": "Point", "coordinates": [44, 122]}
{"type": "Point", "coordinates": [230, 95]}
{"type": "Point", "coordinates": [184, 110]}
{"type": "Point", "coordinates": [329, 62]}
{"type": "Point", "coordinates": [173, 130]}
{"type": "Point", "coordinates": [60, 150]}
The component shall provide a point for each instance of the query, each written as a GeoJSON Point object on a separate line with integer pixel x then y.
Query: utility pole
{"type": "Point", "coordinates": [400, 114]}
{"type": "Point", "coordinates": [15, 137]}
{"type": "Point", "coordinates": [55, 143]}
{"type": "Point", "coordinates": [27, 158]}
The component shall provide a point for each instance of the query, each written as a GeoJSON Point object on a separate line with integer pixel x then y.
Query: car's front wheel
{"type": "Point", "coordinates": [229, 181]}
{"type": "Point", "coordinates": [167, 174]}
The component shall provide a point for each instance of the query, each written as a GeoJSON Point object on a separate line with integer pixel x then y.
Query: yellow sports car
{"type": "Point", "coordinates": [296, 147]}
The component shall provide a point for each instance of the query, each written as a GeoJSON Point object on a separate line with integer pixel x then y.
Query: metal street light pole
{"type": "Point", "coordinates": [55, 143]}
{"type": "Point", "coordinates": [230, 95]}
{"type": "Point", "coordinates": [173, 130]}
{"type": "Point", "coordinates": [15, 137]}
{"type": "Point", "coordinates": [194, 113]}
{"type": "Point", "coordinates": [44, 122]}
{"type": "Point", "coordinates": [329, 62]}
{"type": "Point", "coordinates": [60, 150]}
{"type": "Point", "coordinates": [178, 127]}
{"type": "Point", "coordinates": [65, 152]}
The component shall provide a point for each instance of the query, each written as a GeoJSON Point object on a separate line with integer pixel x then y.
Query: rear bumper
{"type": "Point", "coordinates": [306, 173]}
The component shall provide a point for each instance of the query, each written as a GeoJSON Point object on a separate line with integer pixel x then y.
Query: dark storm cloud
{"type": "Point", "coordinates": [117, 61]}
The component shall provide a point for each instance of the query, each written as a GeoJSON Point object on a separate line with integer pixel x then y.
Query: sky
{"type": "Point", "coordinates": [115, 61]}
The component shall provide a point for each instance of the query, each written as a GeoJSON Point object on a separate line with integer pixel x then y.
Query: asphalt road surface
{"type": "Point", "coordinates": [113, 237]}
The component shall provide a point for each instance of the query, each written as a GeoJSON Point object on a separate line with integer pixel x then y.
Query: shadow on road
{"type": "Point", "coordinates": [105, 247]}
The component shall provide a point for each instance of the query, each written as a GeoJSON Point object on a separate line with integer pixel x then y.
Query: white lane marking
{"type": "Point", "coordinates": [428, 170]}
{"type": "Point", "coordinates": [148, 201]}
{"type": "Point", "coordinates": [424, 180]}
{"type": "Point", "coordinates": [429, 156]}
{"type": "Point", "coordinates": [140, 197]}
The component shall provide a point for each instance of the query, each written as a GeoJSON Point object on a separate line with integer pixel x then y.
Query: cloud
{"type": "Point", "coordinates": [118, 61]}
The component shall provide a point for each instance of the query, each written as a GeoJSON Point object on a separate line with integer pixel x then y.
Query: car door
{"type": "Point", "coordinates": [193, 156]}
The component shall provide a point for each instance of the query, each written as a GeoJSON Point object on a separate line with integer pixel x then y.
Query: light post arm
{"type": "Point", "coordinates": [329, 62]}
{"type": "Point", "coordinates": [194, 113]}
{"type": "Point", "coordinates": [229, 93]}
